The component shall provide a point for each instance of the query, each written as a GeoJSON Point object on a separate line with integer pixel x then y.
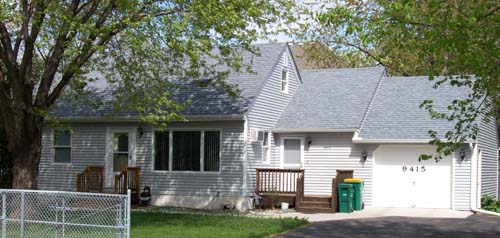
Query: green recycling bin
{"type": "Point", "coordinates": [346, 195]}
{"type": "Point", "coordinates": [357, 202]}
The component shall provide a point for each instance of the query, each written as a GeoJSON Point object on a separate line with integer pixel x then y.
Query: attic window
{"type": "Point", "coordinates": [284, 80]}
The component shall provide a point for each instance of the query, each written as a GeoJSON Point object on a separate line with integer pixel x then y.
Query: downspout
{"type": "Point", "coordinates": [245, 161]}
{"type": "Point", "coordinates": [474, 177]}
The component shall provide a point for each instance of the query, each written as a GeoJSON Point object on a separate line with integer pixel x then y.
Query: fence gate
{"type": "Point", "coordinates": [40, 214]}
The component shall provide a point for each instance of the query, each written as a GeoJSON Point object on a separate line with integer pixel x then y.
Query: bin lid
{"type": "Point", "coordinates": [345, 185]}
{"type": "Point", "coordinates": [353, 180]}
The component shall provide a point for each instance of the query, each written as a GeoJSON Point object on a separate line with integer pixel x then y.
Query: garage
{"type": "Point", "coordinates": [400, 180]}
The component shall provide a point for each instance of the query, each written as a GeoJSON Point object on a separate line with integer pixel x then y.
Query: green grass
{"type": "Point", "coordinates": [155, 224]}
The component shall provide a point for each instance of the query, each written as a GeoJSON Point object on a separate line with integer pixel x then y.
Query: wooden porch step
{"type": "Point", "coordinates": [317, 198]}
{"type": "Point", "coordinates": [314, 210]}
{"type": "Point", "coordinates": [314, 204]}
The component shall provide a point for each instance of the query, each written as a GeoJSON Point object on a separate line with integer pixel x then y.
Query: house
{"type": "Point", "coordinates": [287, 125]}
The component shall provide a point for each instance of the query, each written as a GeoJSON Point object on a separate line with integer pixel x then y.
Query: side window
{"type": "Point", "coordinates": [266, 158]}
{"type": "Point", "coordinates": [62, 146]}
{"type": "Point", "coordinates": [284, 81]}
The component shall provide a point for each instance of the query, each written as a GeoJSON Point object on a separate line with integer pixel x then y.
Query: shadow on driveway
{"type": "Point", "coordinates": [406, 227]}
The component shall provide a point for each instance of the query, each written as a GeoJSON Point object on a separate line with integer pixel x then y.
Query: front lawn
{"type": "Point", "coordinates": [158, 224]}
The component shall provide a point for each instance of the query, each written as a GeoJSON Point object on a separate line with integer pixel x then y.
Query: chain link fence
{"type": "Point", "coordinates": [41, 214]}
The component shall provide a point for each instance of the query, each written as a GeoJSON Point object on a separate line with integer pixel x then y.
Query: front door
{"type": "Point", "coordinates": [120, 152]}
{"type": "Point", "coordinates": [292, 152]}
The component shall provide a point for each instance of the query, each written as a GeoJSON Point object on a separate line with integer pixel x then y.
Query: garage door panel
{"type": "Point", "coordinates": [400, 180]}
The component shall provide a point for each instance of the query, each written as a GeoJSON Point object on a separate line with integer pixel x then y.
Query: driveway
{"type": "Point", "coordinates": [406, 227]}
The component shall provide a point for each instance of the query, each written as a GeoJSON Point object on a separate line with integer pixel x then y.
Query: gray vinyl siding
{"type": "Point", "coordinates": [488, 144]}
{"type": "Point", "coordinates": [462, 181]}
{"type": "Point", "coordinates": [266, 111]}
{"type": "Point", "coordinates": [89, 149]}
{"type": "Point", "coordinates": [328, 153]}
{"type": "Point", "coordinates": [227, 182]}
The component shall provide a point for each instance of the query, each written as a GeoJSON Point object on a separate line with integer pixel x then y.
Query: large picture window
{"type": "Point", "coordinates": [187, 150]}
{"type": "Point", "coordinates": [162, 150]}
{"type": "Point", "coordinates": [62, 146]}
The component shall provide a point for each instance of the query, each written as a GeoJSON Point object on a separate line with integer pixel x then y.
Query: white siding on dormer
{"type": "Point", "coordinates": [266, 111]}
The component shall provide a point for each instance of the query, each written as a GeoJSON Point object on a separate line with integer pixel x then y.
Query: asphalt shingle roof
{"type": "Point", "coordinates": [396, 114]}
{"type": "Point", "coordinates": [205, 100]}
{"type": "Point", "coordinates": [331, 99]}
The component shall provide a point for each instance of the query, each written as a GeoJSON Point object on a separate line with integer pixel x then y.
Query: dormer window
{"type": "Point", "coordinates": [284, 75]}
{"type": "Point", "coordinates": [284, 80]}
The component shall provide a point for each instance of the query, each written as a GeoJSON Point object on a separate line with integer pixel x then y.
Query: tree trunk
{"type": "Point", "coordinates": [26, 153]}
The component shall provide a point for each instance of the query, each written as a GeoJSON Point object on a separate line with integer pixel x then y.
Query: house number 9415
{"type": "Point", "coordinates": [413, 168]}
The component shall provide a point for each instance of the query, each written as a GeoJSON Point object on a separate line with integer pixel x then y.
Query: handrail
{"type": "Point", "coordinates": [277, 180]}
{"type": "Point", "coordinates": [300, 190]}
{"type": "Point", "coordinates": [129, 178]}
{"type": "Point", "coordinates": [90, 180]}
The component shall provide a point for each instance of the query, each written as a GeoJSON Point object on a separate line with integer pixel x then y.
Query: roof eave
{"type": "Point", "coordinates": [394, 141]}
{"type": "Point", "coordinates": [291, 130]}
{"type": "Point", "coordinates": [233, 117]}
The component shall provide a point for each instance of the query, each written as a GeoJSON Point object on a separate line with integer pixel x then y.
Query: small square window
{"type": "Point", "coordinates": [62, 146]}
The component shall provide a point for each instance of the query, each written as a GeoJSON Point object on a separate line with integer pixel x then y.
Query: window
{"type": "Point", "coordinates": [120, 151]}
{"type": "Point", "coordinates": [284, 80]}
{"type": "Point", "coordinates": [187, 151]}
{"type": "Point", "coordinates": [265, 148]}
{"type": "Point", "coordinates": [162, 152]}
{"type": "Point", "coordinates": [211, 151]}
{"type": "Point", "coordinates": [62, 146]}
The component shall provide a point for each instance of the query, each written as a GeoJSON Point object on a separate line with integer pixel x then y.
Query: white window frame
{"type": "Point", "coordinates": [266, 153]}
{"type": "Point", "coordinates": [171, 150]}
{"type": "Point", "coordinates": [284, 70]}
{"type": "Point", "coordinates": [53, 152]}
{"type": "Point", "coordinates": [282, 151]}
{"type": "Point", "coordinates": [287, 81]}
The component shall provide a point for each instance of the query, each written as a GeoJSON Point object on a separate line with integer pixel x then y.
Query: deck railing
{"type": "Point", "coordinates": [282, 181]}
{"type": "Point", "coordinates": [129, 178]}
{"type": "Point", "coordinates": [90, 180]}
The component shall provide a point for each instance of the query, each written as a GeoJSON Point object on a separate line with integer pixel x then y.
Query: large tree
{"type": "Point", "coordinates": [47, 47]}
{"type": "Point", "coordinates": [455, 39]}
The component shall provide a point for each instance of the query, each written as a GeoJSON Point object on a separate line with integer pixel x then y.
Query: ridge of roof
{"type": "Point", "coordinates": [343, 69]}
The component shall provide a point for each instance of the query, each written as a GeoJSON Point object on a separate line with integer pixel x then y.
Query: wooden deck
{"type": "Point", "coordinates": [287, 185]}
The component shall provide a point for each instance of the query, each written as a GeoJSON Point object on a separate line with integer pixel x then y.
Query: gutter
{"type": "Point", "coordinates": [138, 119]}
{"type": "Point", "coordinates": [312, 130]}
{"type": "Point", "coordinates": [360, 140]}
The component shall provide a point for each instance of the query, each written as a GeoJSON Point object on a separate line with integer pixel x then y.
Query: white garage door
{"type": "Point", "coordinates": [400, 180]}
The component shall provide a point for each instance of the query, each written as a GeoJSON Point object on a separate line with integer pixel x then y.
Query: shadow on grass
{"type": "Point", "coordinates": [164, 225]}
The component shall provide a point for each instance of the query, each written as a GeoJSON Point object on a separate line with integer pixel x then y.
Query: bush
{"type": "Point", "coordinates": [490, 203]}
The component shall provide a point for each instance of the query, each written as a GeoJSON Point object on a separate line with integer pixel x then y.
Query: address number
{"type": "Point", "coordinates": [415, 169]}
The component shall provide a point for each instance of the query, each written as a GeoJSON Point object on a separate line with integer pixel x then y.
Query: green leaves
{"type": "Point", "coordinates": [454, 39]}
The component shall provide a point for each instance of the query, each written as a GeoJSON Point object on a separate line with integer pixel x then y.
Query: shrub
{"type": "Point", "coordinates": [490, 203]}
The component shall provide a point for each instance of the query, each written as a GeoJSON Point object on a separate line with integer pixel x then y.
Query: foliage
{"type": "Point", "coordinates": [455, 39]}
{"type": "Point", "coordinates": [141, 48]}
{"type": "Point", "coordinates": [164, 225]}
{"type": "Point", "coordinates": [490, 203]}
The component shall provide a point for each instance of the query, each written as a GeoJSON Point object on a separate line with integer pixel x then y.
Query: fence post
{"type": "Point", "coordinates": [23, 201]}
{"type": "Point", "coordinates": [63, 215]}
{"type": "Point", "coordinates": [4, 215]}
{"type": "Point", "coordinates": [129, 194]}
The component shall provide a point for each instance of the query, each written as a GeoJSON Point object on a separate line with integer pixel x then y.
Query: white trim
{"type": "Point", "coordinates": [473, 177]}
{"type": "Point", "coordinates": [245, 155]}
{"type": "Point", "coordinates": [282, 149]}
{"type": "Point", "coordinates": [453, 162]}
{"type": "Point", "coordinates": [312, 130]}
{"type": "Point", "coordinates": [171, 146]}
{"type": "Point", "coordinates": [266, 154]}
{"type": "Point", "coordinates": [53, 148]}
